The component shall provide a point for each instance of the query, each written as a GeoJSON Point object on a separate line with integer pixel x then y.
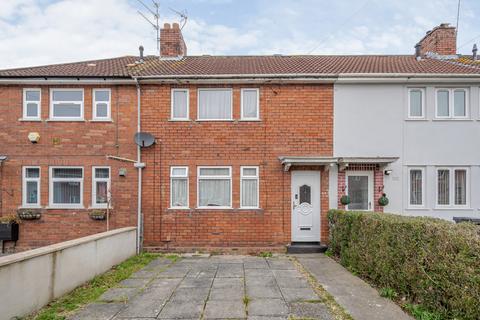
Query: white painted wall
{"type": "Point", "coordinates": [370, 120]}
{"type": "Point", "coordinates": [31, 279]}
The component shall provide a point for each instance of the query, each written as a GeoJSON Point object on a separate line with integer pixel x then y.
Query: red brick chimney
{"type": "Point", "coordinates": [171, 42]}
{"type": "Point", "coordinates": [441, 40]}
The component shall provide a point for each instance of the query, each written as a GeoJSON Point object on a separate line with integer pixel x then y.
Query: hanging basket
{"type": "Point", "coordinates": [345, 200]}
{"type": "Point", "coordinates": [29, 214]}
{"type": "Point", "coordinates": [98, 215]}
{"type": "Point", "coordinates": [383, 200]}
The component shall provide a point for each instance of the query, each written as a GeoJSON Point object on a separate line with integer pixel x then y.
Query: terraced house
{"type": "Point", "coordinates": [238, 152]}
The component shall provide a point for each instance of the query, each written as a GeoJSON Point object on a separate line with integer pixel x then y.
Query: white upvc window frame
{"type": "Point", "coordinates": [95, 102]}
{"type": "Point", "coordinates": [416, 206]}
{"type": "Point", "coordinates": [256, 178]}
{"type": "Point", "coordinates": [451, 186]}
{"type": "Point", "coordinates": [187, 91]}
{"type": "Point", "coordinates": [451, 104]}
{"type": "Point", "coordinates": [409, 115]}
{"type": "Point", "coordinates": [50, 188]}
{"type": "Point", "coordinates": [184, 177]}
{"type": "Point", "coordinates": [39, 104]}
{"type": "Point", "coordinates": [24, 187]}
{"type": "Point", "coordinates": [242, 117]}
{"type": "Point", "coordinates": [229, 177]}
{"type": "Point", "coordinates": [94, 187]}
{"type": "Point", "coordinates": [82, 105]}
{"type": "Point", "coordinates": [214, 89]}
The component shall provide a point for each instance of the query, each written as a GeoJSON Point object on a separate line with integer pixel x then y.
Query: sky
{"type": "Point", "coordinates": [39, 32]}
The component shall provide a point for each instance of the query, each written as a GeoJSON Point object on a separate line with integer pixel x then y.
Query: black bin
{"type": "Point", "coordinates": [8, 231]}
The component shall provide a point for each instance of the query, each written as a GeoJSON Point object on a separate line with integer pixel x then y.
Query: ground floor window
{"type": "Point", "coordinates": [31, 187]}
{"type": "Point", "coordinates": [249, 187]}
{"type": "Point", "coordinates": [416, 187]}
{"type": "Point", "coordinates": [66, 187]}
{"type": "Point", "coordinates": [214, 187]}
{"type": "Point", "coordinates": [452, 187]}
{"type": "Point", "coordinates": [100, 187]}
{"type": "Point", "coordinates": [179, 187]}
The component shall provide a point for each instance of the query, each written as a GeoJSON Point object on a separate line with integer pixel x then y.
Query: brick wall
{"type": "Point", "coordinates": [67, 144]}
{"type": "Point", "coordinates": [441, 40]}
{"type": "Point", "coordinates": [171, 41]}
{"type": "Point", "coordinates": [295, 120]}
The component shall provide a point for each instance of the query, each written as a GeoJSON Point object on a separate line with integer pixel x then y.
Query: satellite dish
{"type": "Point", "coordinates": [144, 139]}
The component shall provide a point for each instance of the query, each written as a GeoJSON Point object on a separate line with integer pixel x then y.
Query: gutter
{"type": "Point", "coordinates": [60, 81]}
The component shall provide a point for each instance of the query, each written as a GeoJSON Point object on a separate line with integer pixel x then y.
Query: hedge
{"type": "Point", "coordinates": [427, 261]}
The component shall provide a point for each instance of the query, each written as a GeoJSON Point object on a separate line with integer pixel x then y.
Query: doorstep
{"type": "Point", "coordinates": [306, 247]}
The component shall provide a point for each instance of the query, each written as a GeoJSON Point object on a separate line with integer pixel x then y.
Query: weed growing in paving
{"type": "Point", "coordinates": [388, 293]}
{"type": "Point", "coordinates": [267, 254]}
{"type": "Point", "coordinates": [420, 313]}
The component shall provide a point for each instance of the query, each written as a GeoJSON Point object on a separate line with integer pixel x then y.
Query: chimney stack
{"type": "Point", "coordinates": [474, 52]}
{"type": "Point", "coordinates": [172, 44]}
{"type": "Point", "coordinates": [441, 40]}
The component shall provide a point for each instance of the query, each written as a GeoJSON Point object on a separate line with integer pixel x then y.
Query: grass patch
{"type": "Point", "coordinates": [246, 301]}
{"type": "Point", "coordinates": [420, 313]}
{"type": "Point", "coordinates": [267, 254]}
{"type": "Point", "coordinates": [336, 310]}
{"type": "Point", "coordinates": [60, 308]}
{"type": "Point", "coordinates": [388, 293]}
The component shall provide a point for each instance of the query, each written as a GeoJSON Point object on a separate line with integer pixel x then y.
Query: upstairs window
{"type": "Point", "coordinates": [31, 187]}
{"type": "Point", "coordinates": [101, 104]}
{"type": "Point", "coordinates": [452, 187]}
{"type": "Point", "coordinates": [416, 103]}
{"type": "Point", "coordinates": [250, 102]}
{"type": "Point", "coordinates": [31, 104]}
{"type": "Point", "coordinates": [179, 104]}
{"type": "Point", "coordinates": [214, 104]}
{"type": "Point", "coordinates": [451, 104]}
{"type": "Point", "coordinates": [249, 187]}
{"type": "Point", "coordinates": [66, 104]}
{"type": "Point", "coordinates": [66, 187]}
{"type": "Point", "coordinates": [100, 187]}
{"type": "Point", "coordinates": [179, 187]}
{"type": "Point", "coordinates": [215, 187]}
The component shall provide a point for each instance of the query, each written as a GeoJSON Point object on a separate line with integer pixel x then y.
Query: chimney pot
{"type": "Point", "coordinates": [172, 44]}
{"type": "Point", "coordinates": [166, 26]}
{"type": "Point", "coordinates": [175, 25]}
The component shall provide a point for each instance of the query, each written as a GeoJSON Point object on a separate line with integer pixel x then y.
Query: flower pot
{"type": "Point", "coordinates": [9, 231]}
{"type": "Point", "coordinates": [345, 200]}
{"type": "Point", "coordinates": [383, 200]}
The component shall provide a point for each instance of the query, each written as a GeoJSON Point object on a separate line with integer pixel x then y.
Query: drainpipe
{"type": "Point", "coordinates": [139, 166]}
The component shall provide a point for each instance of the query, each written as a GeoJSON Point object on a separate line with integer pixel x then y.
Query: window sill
{"type": "Point", "coordinates": [415, 119]}
{"type": "Point", "coordinates": [100, 120]}
{"type": "Point", "coordinates": [417, 209]}
{"type": "Point", "coordinates": [225, 209]}
{"type": "Point", "coordinates": [64, 208]}
{"type": "Point", "coordinates": [29, 120]}
{"type": "Point", "coordinates": [453, 208]}
{"type": "Point", "coordinates": [65, 120]}
{"type": "Point", "coordinates": [179, 120]}
{"type": "Point", "coordinates": [214, 120]}
{"type": "Point", "coordinates": [27, 207]}
{"type": "Point", "coordinates": [99, 208]}
{"type": "Point", "coordinates": [451, 119]}
{"type": "Point", "coordinates": [179, 208]}
{"type": "Point", "coordinates": [214, 208]}
{"type": "Point", "coordinates": [249, 120]}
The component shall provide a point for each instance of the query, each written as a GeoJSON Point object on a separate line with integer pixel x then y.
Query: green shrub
{"type": "Point", "coordinates": [430, 262]}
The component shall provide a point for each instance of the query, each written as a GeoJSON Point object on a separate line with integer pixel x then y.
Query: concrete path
{"type": "Point", "coordinates": [219, 287]}
{"type": "Point", "coordinates": [357, 297]}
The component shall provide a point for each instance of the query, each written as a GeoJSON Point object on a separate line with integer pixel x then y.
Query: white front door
{"type": "Point", "coordinates": [360, 189]}
{"type": "Point", "coordinates": [305, 206]}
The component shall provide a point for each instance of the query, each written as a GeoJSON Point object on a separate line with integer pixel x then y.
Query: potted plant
{"type": "Point", "coordinates": [9, 228]}
{"type": "Point", "coordinates": [97, 214]}
{"type": "Point", "coordinates": [345, 199]}
{"type": "Point", "coordinates": [383, 200]}
{"type": "Point", "coordinates": [29, 214]}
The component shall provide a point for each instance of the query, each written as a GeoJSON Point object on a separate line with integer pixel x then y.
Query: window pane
{"type": "Point", "coordinates": [32, 173]}
{"type": "Point", "coordinates": [179, 172]}
{"type": "Point", "coordinates": [249, 193]}
{"type": "Point", "coordinates": [102, 110]}
{"type": "Point", "coordinates": [103, 95]}
{"type": "Point", "coordinates": [249, 101]}
{"type": "Point", "coordinates": [460, 187]}
{"type": "Point", "coordinates": [32, 95]}
{"type": "Point", "coordinates": [102, 172]}
{"type": "Point", "coordinates": [416, 187]}
{"type": "Point", "coordinates": [32, 110]}
{"type": "Point", "coordinates": [416, 103]}
{"type": "Point", "coordinates": [102, 192]}
{"type": "Point", "coordinates": [179, 192]}
{"type": "Point", "coordinates": [66, 110]}
{"type": "Point", "coordinates": [32, 192]}
{"type": "Point", "coordinates": [67, 96]}
{"type": "Point", "coordinates": [215, 104]}
{"type": "Point", "coordinates": [305, 194]}
{"type": "Point", "coordinates": [214, 171]}
{"type": "Point", "coordinates": [250, 172]}
{"type": "Point", "coordinates": [180, 105]}
{"type": "Point", "coordinates": [66, 192]}
{"type": "Point", "coordinates": [443, 187]}
{"type": "Point", "coordinates": [358, 192]}
{"type": "Point", "coordinates": [459, 107]}
{"type": "Point", "coordinates": [67, 173]}
{"type": "Point", "coordinates": [443, 103]}
{"type": "Point", "coordinates": [214, 193]}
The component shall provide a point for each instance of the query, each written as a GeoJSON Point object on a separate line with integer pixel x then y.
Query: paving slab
{"type": "Point", "coordinates": [119, 294]}
{"type": "Point", "coordinates": [98, 311]}
{"type": "Point", "coordinates": [140, 307]}
{"type": "Point", "coordinates": [306, 310]}
{"type": "Point", "coordinates": [165, 282]}
{"type": "Point", "coordinates": [145, 274]}
{"type": "Point", "coordinates": [196, 283]}
{"type": "Point", "coordinates": [228, 283]}
{"type": "Point", "coordinates": [230, 270]}
{"type": "Point", "coordinates": [356, 296]}
{"type": "Point", "coordinates": [190, 294]}
{"type": "Point", "coordinates": [263, 292]}
{"type": "Point", "coordinates": [292, 282]}
{"type": "Point", "coordinates": [280, 264]}
{"type": "Point", "coordinates": [299, 294]}
{"type": "Point", "coordinates": [267, 307]}
{"type": "Point", "coordinates": [233, 309]}
{"type": "Point", "coordinates": [134, 283]}
{"type": "Point", "coordinates": [227, 294]}
{"type": "Point", "coordinates": [182, 310]}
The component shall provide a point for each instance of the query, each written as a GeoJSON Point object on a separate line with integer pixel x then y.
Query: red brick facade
{"type": "Point", "coordinates": [441, 40]}
{"type": "Point", "coordinates": [84, 143]}
{"type": "Point", "coordinates": [295, 120]}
